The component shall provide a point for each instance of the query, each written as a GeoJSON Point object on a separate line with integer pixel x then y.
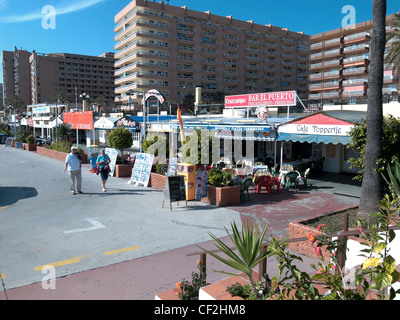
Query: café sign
{"type": "Point", "coordinates": [269, 99]}
{"type": "Point", "coordinates": [316, 129]}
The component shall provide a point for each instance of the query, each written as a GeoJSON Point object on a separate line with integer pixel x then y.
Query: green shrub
{"type": "Point", "coordinates": [220, 178]}
{"type": "Point", "coordinates": [30, 139]}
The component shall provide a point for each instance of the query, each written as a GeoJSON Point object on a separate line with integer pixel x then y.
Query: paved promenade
{"type": "Point", "coordinates": [121, 244]}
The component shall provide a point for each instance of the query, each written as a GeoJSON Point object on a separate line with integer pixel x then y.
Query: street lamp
{"type": "Point", "coordinates": [84, 96]}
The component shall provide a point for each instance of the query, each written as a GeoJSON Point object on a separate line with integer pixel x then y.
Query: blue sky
{"type": "Point", "coordinates": [86, 26]}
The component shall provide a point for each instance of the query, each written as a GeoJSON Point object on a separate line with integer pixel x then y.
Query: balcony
{"type": "Point", "coordinates": [355, 71]}
{"type": "Point", "coordinates": [358, 37]}
{"type": "Point", "coordinates": [356, 48]}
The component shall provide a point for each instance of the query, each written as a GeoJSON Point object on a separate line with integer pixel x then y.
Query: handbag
{"type": "Point", "coordinates": [107, 168]}
{"type": "Point", "coordinates": [97, 170]}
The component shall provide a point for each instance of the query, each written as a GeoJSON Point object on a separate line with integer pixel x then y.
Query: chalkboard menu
{"type": "Point", "coordinates": [175, 188]}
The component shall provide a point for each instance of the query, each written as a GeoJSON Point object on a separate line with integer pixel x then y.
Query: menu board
{"type": "Point", "coordinates": [176, 186]}
{"type": "Point", "coordinates": [201, 184]}
{"type": "Point", "coordinates": [142, 168]}
{"type": "Point", "coordinates": [112, 153]}
{"type": "Point", "coordinates": [9, 142]}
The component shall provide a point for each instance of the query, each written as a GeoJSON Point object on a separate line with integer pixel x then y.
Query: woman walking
{"type": "Point", "coordinates": [103, 162]}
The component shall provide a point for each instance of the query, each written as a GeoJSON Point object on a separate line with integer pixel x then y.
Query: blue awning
{"type": "Point", "coordinates": [310, 138]}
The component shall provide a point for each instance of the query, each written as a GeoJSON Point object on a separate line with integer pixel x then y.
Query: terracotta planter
{"type": "Point", "coordinates": [30, 146]}
{"type": "Point", "coordinates": [157, 181]}
{"type": "Point", "coordinates": [224, 196]}
{"type": "Point", "coordinates": [123, 170]}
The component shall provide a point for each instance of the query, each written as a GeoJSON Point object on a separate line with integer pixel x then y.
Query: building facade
{"type": "Point", "coordinates": [72, 73]}
{"type": "Point", "coordinates": [38, 77]}
{"type": "Point", "coordinates": [16, 75]}
{"type": "Point", "coordinates": [174, 50]}
{"type": "Point", "coordinates": [339, 65]}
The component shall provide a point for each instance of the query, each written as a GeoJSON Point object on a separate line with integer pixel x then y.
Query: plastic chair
{"type": "Point", "coordinates": [304, 176]}
{"type": "Point", "coordinates": [291, 178]}
{"type": "Point", "coordinates": [264, 181]}
{"type": "Point", "coordinates": [244, 186]}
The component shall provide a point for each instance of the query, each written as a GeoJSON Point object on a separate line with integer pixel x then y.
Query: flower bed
{"type": "Point", "coordinates": [305, 228]}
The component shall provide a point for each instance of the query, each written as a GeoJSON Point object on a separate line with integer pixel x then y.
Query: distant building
{"type": "Point", "coordinates": [1, 95]}
{"type": "Point", "coordinates": [73, 74]}
{"type": "Point", "coordinates": [37, 77]}
{"type": "Point", "coordinates": [339, 66]}
{"type": "Point", "coordinates": [174, 50]}
{"type": "Point", "coordinates": [16, 75]}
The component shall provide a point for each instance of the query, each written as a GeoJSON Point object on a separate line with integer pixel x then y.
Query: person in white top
{"type": "Point", "coordinates": [73, 163]}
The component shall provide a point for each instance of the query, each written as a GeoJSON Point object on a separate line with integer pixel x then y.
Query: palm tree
{"type": "Point", "coordinates": [372, 183]}
{"type": "Point", "coordinates": [393, 52]}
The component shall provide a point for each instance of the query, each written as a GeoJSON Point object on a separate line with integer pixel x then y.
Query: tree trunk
{"type": "Point", "coordinates": [372, 183]}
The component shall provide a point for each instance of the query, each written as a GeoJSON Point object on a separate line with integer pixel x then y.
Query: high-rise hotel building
{"type": "Point", "coordinates": [339, 65]}
{"type": "Point", "coordinates": [175, 49]}
{"type": "Point", "coordinates": [37, 77]}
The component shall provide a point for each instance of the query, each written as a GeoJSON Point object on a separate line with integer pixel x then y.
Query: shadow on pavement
{"type": "Point", "coordinates": [11, 195]}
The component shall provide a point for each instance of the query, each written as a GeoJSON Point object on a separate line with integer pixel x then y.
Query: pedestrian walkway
{"type": "Point", "coordinates": [142, 278]}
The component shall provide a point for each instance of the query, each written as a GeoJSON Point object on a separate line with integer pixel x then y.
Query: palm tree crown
{"type": "Point", "coordinates": [393, 35]}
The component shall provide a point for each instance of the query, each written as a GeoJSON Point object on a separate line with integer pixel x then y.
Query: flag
{"type": "Point", "coordinates": [179, 116]}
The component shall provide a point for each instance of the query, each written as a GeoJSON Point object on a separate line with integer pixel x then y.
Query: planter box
{"type": "Point", "coordinates": [30, 146]}
{"type": "Point", "coordinates": [224, 196]}
{"type": "Point", "coordinates": [123, 170]}
{"type": "Point", "coordinates": [57, 154]}
{"type": "Point", "coordinates": [157, 181]}
{"type": "Point", "coordinates": [299, 230]}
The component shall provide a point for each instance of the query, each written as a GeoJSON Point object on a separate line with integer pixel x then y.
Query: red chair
{"type": "Point", "coordinates": [268, 182]}
{"type": "Point", "coordinates": [264, 181]}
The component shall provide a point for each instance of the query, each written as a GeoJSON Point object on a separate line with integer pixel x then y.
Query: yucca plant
{"type": "Point", "coordinates": [248, 246]}
{"type": "Point", "coordinates": [394, 176]}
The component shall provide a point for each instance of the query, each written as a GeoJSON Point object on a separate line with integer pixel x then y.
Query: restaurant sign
{"type": "Point", "coordinates": [269, 99]}
{"type": "Point", "coordinates": [316, 129]}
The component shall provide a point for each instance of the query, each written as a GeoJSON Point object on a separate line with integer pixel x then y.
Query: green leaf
{"type": "Point", "coordinates": [389, 263]}
{"type": "Point", "coordinates": [383, 280]}
{"type": "Point", "coordinates": [379, 247]}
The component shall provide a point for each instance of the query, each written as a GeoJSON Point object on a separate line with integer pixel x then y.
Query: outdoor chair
{"type": "Point", "coordinates": [244, 186]}
{"type": "Point", "coordinates": [304, 176]}
{"type": "Point", "coordinates": [291, 178]}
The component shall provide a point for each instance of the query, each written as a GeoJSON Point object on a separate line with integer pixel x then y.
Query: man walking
{"type": "Point", "coordinates": [73, 163]}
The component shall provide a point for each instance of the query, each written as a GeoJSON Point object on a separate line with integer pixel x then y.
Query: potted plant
{"type": "Point", "coordinates": [30, 144]}
{"type": "Point", "coordinates": [121, 139]}
{"type": "Point", "coordinates": [221, 190]}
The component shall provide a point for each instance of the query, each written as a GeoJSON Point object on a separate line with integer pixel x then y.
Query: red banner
{"type": "Point", "coordinates": [269, 99]}
{"type": "Point", "coordinates": [79, 120]}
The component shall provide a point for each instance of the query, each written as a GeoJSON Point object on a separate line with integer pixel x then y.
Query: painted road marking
{"type": "Point", "coordinates": [78, 259]}
{"type": "Point", "coordinates": [57, 264]}
{"type": "Point", "coordinates": [95, 223]}
{"type": "Point", "coordinates": [2, 208]}
{"type": "Point", "coordinates": [121, 250]}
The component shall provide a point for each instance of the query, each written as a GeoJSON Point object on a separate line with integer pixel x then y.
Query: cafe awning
{"type": "Point", "coordinates": [321, 127]}
{"type": "Point", "coordinates": [234, 131]}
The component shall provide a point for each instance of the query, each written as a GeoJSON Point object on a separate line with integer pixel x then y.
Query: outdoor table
{"type": "Point", "coordinates": [260, 167]}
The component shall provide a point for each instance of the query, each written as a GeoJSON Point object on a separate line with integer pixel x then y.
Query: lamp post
{"type": "Point", "coordinates": [84, 96]}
